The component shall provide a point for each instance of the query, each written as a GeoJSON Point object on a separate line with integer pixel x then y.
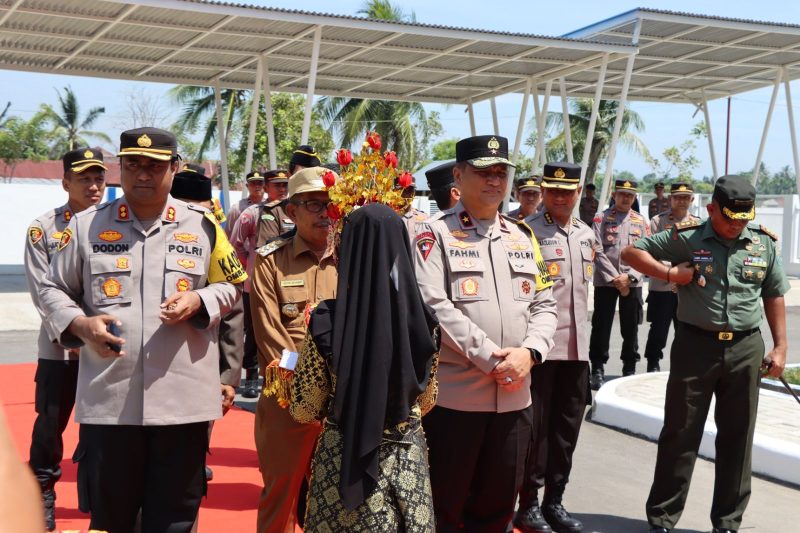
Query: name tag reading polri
{"type": "Point", "coordinates": [288, 360]}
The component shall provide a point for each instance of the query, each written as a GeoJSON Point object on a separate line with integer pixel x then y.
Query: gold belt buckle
{"type": "Point", "coordinates": [725, 335]}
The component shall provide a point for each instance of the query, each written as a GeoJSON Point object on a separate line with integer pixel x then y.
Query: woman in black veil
{"type": "Point", "coordinates": [368, 368]}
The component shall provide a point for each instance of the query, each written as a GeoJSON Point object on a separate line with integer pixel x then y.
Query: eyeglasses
{"type": "Point", "coordinates": [313, 206]}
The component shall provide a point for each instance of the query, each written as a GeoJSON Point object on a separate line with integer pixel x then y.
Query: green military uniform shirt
{"type": "Point", "coordinates": [728, 281]}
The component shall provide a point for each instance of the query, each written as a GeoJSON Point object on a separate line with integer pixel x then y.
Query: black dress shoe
{"type": "Point", "coordinates": [653, 366]}
{"type": "Point", "coordinates": [560, 520]}
{"type": "Point", "coordinates": [628, 368]}
{"type": "Point", "coordinates": [659, 530]}
{"type": "Point", "coordinates": [49, 501]}
{"type": "Point", "coordinates": [531, 520]}
{"type": "Point", "coordinates": [597, 378]}
{"type": "Point", "coordinates": [723, 530]}
{"type": "Point", "coordinates": [209, 474]}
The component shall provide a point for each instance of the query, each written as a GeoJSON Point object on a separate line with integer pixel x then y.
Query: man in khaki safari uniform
{"type": "Point", "coordinates": [162, 273]}
{"type": "Point", "coordinates": [483, 274]}
{"type": "Point", "coordinates": [290, 274]}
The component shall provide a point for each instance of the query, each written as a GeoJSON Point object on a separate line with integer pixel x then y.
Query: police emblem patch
{"type": "Point", "coordinates": [112, 287]}
{"type": "Point", "coordinates": [526, 287]}
{"type": "Point", "coordinates": [122, 263]}
{"type": "Point", "coordinates": [183, 285]}
{"type": "Point", "coordinates": [144, 141]}
{"type": "Point", "coordinates": [35, 234]}
{"type": "Point", "coordinates": [424, 243]}
{"type": "Point", "coordinates": [66, 237]}
{"type": "Point", "coordinates": [554, 269]}
{"type": "Point", "coordinates": [469, 287]}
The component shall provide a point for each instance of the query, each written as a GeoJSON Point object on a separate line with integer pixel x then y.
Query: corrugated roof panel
{"type": "Point", "coordinates": [726, 55]}
{"type": "Point", "coordinates": [713, 35]}
{"type": "Point", "coordinates": [656, 28]}
{"type": "Point", "coordinates": [742, 71]}
{"type": "Point", "coordinates": [360, 72]}
{"type": "Point", "coordinates": [136, 33]}
{"type": "Point", "coordinates": [273, 28]}
{"type": "Point", "coordinates": [669, 50]}
{"type": "Point", "coordinates": [180, 72]}
{"type": "Point", "coordinates": [198, 58]}
{"type": "Point", "coordinates": [497, 49]}
{"type": "Point", "coordinates": [347, 35]}
{"type": "Point", "coordinates": [75, 7]}
{"type": "Point", "coordinates": [781, 58]}
{"type": "Point", "coordinates": [193, 19]}
{"type": "Point", "coordinates": [464, 64]}
{"type": "Point", "coordinates": [27, 58]}
{"type": "Point", "coordinates": [395, 57]}
{"type": "Point", "coordinates": [238, 43]}
{"type": "Point", "coordinates": [71, 26]}
{"type": "Point", "coordinates": [773, 40]}
{"type": "Point", "coordinates": [37, 42]}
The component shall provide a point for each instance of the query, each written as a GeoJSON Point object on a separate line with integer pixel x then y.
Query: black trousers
{"type": "Point", "coordinates": [56, 382]}
{"type": "Point", "coordinates": [662, 307]}
{"type": "Point", "coordinates": [630, 316]}
{"type": "Point", "coordinates": [250, 361]}
{"type": "Point", "coordinates": [701, 367]}
{"type": "Point", "coordinates": [158, 469]}
{"type": "Point", "coordinates": [559, 390]}
{"type": "Point", "coordinates": [477, 461]}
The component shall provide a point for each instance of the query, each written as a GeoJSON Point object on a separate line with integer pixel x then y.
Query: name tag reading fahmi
{"type": "Point", "coordinates": [288, 360]}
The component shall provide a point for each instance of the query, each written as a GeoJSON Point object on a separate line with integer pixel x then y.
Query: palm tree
{"type": "Point", "coordinates": [403, 126]}
{"type": "Point", "coordinates": [70, 127]}
{"type": "Point", "coordinates": [581, 111]}
{"type": "Point", "coordinates": [198, 105]}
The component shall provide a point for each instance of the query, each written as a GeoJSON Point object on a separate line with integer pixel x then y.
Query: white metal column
{"type": "Point", "coordinates": [268, 110]}
{"type": "Point", "coordinates": [223, 146]}
{"type": "Point", "coordinates": [540, 146]}
{"type": "Point", "coordinates": [471, 113]}
{"type": "Point", "coordinates": [562, 86]}
{"type": "Point", "coordinates": [495, 123]}
{"type": "Point", "coordinates": [623, 98]}
{"type": "Point", "coordinates": [710, 137]}
{"type": "Point", "coordinates": [312, 81]}
{"type": "Point", "coordinates": [518, 140]}
{"type": "Point", "coordinates": [598, 93]}
{"type": "Point", "coordinates": [792, 131]}
{"type": "Point", "coordinates": [757, 169]}
{"type": "Point", "coordinates": [537, 113]}
{"type": "Point", "coordinates": [251, 132]}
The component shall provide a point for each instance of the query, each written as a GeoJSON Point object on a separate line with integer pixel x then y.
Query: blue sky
{"type": "Point", "coordinates": [666, 124]}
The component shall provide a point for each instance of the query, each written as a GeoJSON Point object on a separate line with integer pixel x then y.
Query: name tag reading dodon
{"type": "Point", "coordinates": [288, 360]}
{"type": "Point", "coordinates": [292, 283]}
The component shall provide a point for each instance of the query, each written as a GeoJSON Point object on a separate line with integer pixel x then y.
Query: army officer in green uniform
{"type": "Point", "coordinates": [723, 267]}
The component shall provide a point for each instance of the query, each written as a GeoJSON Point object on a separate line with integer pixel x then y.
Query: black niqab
{"type": "Point", "coordinates": [380, 336]}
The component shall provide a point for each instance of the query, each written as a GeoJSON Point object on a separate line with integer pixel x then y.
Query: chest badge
{"type": "Point", "coordinates": [186, 263]}
{"type": "Point", "coordinates": [554, 269]}
{"type": "Point", "coordinates": [461, 244]}
{"type": "Point", "coordinates": [518, 246]}
{"type": "Point", "coordinates": [458, 234]}
{"type": "Point", "coordinates": [469, 287]}
{"type": "Point", "coordinates": [183, 285]}
{"type": "Point", "coordinates": [109, 235]}
{"type": "Point", "coordinates": [290, 310]}
{"type": "Point", "coordinates": [185, 237]}
{"type": "Point", "coordinates": [112, 287]}
{"type": "Point", "coordinates": [122, 263]}
{"type": "Point", "coordinates": [466, 263]}
{"type": "Point", "coordinates": [526, 287]}
{"type": "Point", "coordinates": [589, 270]}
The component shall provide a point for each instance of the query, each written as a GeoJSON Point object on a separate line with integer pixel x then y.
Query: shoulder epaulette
{"type": "Point", "coordinates": [102, 206]}
{"type": "Point", "coordinates": [273, 245]}
{"type": "Point", "coordinates": [510, 219]}
{"type": "Point", "coordinates": [763, 229]}
{"type": "Point", "coordinates": [687, 224]}
{"type": "Point", "coordinates": [198, 208]}
{"type": "Point", "coordinates": [273, 203]}
{"type": "Point", "coordinates": [438, 216]}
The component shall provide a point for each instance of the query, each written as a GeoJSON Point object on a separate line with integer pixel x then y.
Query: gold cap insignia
{"type": "Point", "coordinates": [256, 175]}
{"type": "Point", "coordinates": [494, 145]}
{"type": "Point", "coordinates": [87, 154]}
{"type": "Point", "coordinates": [530, 182]}
{"type": "Point", "coordinates": [144, 141]}
{"type": "Point", "coordinates": [559, 173]}
{"type": "Point", "coordinates": [627, 184]}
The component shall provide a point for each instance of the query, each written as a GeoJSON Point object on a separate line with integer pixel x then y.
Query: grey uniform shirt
{"type": "Point", "coordinates": [107, 263]}
{"type": "Point", "coordinates": [236, 211]}
{"type": "Point", "coordinates": [569, 255]}
{"type": "Point", "coordinates": [412, 219]}
{"type": "Point", "coordinates": [665, 222]}
{"type": "Point", "coordinates": [615, 230]}
{"type": "Point", "coordinates": [40, 247]}
{"type": "Point", "coordinates": [483, 280]}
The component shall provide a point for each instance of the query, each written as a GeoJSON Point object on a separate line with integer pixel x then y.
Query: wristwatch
{"type": "Point", "coordinates": [536, 357]}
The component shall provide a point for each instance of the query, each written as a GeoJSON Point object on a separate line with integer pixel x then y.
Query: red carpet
{"type": "Point", "coordinates": [232, 495]}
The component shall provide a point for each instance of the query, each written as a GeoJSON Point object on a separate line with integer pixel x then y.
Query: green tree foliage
{"type": "Point", "coordinates": [287, 118]}
{"type": "Point", "coordinates": [70, 127]}
{"type": "Point", "coordinates": [24, 139]}
{"type": "Point", "coordinates": [579, 116]}
{"type": "Point", "coordinates": [444, 150]}
{"type": "Point", "coordinates": [385, 10]}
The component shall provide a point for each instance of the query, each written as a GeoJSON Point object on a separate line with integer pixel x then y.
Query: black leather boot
{"type": "Point", "coordinates": [529, 517]}
{"type": "Point", "coordinates": [250, 384]}
{"type": "Point", "coordinates": [555, 514]}
{"type": "Point", "coordinates": [597, 378]}
{"type": "Point", "coordinates": [49, 501]}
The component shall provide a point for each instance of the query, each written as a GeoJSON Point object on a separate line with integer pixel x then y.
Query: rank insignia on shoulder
{"type": "Point", "coordinates": [465, 220]}
{"type": "Point", "coordinates": [687, 224]}
{"type": "Point", "coordinates": [271, 246]}
{"type": "Point", "coordinates": [769, 232]}
{"type": "Point", "coordinates": [122, 212]}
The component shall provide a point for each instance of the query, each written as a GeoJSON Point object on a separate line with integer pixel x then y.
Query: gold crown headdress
{"type": "Point", "coordinates": [368, 178]}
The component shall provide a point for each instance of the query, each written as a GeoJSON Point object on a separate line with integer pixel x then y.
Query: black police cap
{"type": "Point", "coordinates": [305, 155]}
{"type": "Point", "coordinates": [149, 142]}
{"type": "Point", "coordinates": [483, 151]}
{"type": "Point", "coordinates": [626, 186]}
{"type": "Point", "coordinates": [191, 183]}
{"type": "Point", "coordinates": [736, 197]}
{"type": "Point", "coordinates": [561, 175]}
{"type": "Point", "coordinates": [277, 176]}
{"type": "Point", "coordinates": [681, 188]}
{"type": "Point", "coordinates": [82, 159]}
{"type": "Point", "coordinates": [441, 176]}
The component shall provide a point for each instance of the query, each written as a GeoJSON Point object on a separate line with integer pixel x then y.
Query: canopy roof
{"type": "Point", "coordinates": [198, 42]}
{"type": "Point", "coordinates": [683, 55]}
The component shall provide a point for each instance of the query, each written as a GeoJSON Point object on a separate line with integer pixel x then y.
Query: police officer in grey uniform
{"type": "Point", "coordinates": [529, 195]}
{"type": "Point", "coordinates": [559, 386]}
{"type": "Point", "coordinates": [442, 185]}
{"type": "Point", "coordinates": [158, 273]}
{"type": "Point", "coordinates": [483, 274]}
{"type": "Point", "coordinates": [57, 368]}
{"type": "Point", "coordinates": [258, 224]}
{"type": "Point", "coordinates": [413, 216]}
{"type": "Point", "coordinates": [254, 184]}
{"type": "Point", "coordinates": [615, 228]}
{"type": "Point", "coordinates": [662, 297]}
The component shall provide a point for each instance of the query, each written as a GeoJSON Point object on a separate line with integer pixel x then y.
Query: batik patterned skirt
{"type": "Point", "coordinates": [402, 500]}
